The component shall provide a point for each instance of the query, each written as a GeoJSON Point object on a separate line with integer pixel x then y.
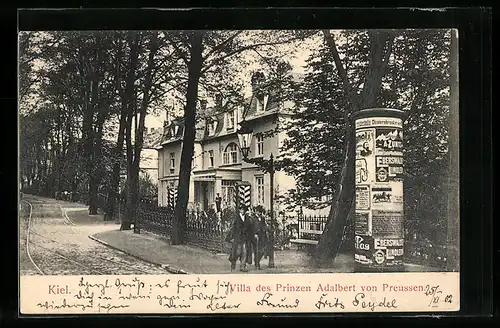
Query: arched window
{"type": "Point", "coordinates": [230, 155]}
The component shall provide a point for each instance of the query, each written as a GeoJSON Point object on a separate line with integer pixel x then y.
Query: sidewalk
{"type": "Point", "coordinates": [185, 259]}
{"type": "Point", "coordinates": [191, 260]}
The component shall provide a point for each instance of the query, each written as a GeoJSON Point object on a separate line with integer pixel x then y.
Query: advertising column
{"type": "Point", "coordinates": [379, 218]}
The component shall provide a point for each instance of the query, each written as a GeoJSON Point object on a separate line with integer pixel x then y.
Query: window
{"type": "Point", "coordinates": [230, 120]}
{"type": "Point", "coordinates": [230, 155]}
{"type": "Point", "coordinates": [227, 188]}
{"type": "Point", "coordinates": [211, 158]}
{"type": "Point", "coordinates": [260, 144]}
{"type": "Point", "coordinates": [172, 163]}
{"type": "Point", "coordinates": [259, 185]}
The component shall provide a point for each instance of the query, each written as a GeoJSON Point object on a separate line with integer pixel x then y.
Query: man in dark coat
{"type": "Point", "coordinates": [258, 243]}
{"type": "Point", "coordinates": [218, 203]}
{"type": "Point", "coordinates": [240, 235]}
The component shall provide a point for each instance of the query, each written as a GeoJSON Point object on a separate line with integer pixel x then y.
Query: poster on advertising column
{"type": "Point", "coordinates": [389, 141]}
{"type": "Point", "coordinates": [388, 168]}
{"type": "Point", "coordinates": [365, 156]}
{"type": "Point", "coordinates": [388, 197]}
{"type": "Point", "coordinates": [363, 197]}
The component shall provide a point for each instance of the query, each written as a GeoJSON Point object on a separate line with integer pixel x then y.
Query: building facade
{"type": "Point", "coordinates": [217, 162]}
{"type": "Point", "coordinates": [148, 164]}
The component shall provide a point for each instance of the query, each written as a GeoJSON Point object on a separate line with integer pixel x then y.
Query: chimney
{"type": "Point", "coordinates": [167, 116]}
{"type": "Point", "coordinates": [165, 125]}
{"type": "Point", "coordinates": [203, 106]}
{"type": "Point", "coordinates": [145, 135]}
{"type": "Point", "coordinates": [258, 78]}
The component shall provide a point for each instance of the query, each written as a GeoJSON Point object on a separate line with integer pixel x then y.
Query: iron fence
{"type": "Point", "coordinates": [201, 230]}
{"type": "Point", "coordinates": [206, 232]}
{"type": "Point", "coordinates": [311, 227]}
{"type": "Point", "coordinates": [154, 219]}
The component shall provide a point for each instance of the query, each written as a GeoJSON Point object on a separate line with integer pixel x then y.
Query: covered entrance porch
{"type": "Point", "coordinates": [204, 191]}
{"type": "Point", "coordinates": [208, 185]}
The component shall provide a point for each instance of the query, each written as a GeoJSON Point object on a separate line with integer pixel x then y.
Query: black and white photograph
{"type": "Point", "coordinates": [156, 152]}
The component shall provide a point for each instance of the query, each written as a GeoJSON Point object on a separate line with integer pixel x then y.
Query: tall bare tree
{"type": "Point", "coordinates": [135, 120]}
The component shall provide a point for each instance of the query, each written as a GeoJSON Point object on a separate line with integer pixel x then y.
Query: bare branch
{"type": "Point", "coordinates": [221, 45]}
{"type": "Point", "coordinates": [330, 41]}
{"type": "Point", "coordinates": [41, 53]}
{"type": "Point", "coordinates": [178, 50]}
{"type": "Point", "coordinates": [248, 47]}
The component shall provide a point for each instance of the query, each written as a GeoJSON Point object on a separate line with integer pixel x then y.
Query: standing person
{"type": "Point", "coordinates": [257, 239]}
{"type": "Point", "coordinates": [218, 206]}
{"type": "Point", "coordinates": [239, 235]}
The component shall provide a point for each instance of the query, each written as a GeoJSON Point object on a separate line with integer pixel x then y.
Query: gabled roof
{"type": "Point", "coordinates": [172, 134]}
{"type": "Point", "coordinates": [153, 139]}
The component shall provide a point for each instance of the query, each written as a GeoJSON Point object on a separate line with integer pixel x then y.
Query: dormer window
{"type": "Point", "coordinates": [262, 103]}
{"type": "Point", "coordinates": [212, 126]}
{"type": "Point", "coordinates": [230, 120]}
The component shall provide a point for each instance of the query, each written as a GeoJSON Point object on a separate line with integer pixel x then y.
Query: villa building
{"type": "Point", "coordinates": [217, 162]}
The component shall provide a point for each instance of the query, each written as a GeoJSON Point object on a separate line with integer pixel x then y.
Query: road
{"type": "Point", "coordinates": [52, 243]}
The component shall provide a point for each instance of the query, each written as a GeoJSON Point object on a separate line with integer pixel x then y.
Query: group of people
{"type": "Point", "coordinates": [248, 235]}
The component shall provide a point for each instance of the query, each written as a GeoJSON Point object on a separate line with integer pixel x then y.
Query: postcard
{"type": "Point", "coordinates": [238, 171]}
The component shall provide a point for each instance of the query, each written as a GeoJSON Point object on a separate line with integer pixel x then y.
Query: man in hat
{"type": "Point", "coordinates": [240, 235]}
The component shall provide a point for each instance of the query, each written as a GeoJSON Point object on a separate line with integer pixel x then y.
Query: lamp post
{"type": "Point", "coordinates": [245, 135]}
